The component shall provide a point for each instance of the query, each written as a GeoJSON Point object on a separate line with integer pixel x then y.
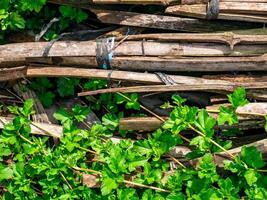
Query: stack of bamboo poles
{"type": "Point", "coordinates": [141, 60]}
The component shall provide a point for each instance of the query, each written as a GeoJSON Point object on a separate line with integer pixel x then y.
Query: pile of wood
{"type": "Point", "coordinates": [177, 50]}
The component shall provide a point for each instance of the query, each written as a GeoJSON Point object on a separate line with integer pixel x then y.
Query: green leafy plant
{"type": "Point", "coordinates": [32, 167]}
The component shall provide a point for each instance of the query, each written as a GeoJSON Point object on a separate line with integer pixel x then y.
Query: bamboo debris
{"type": "Point", "coordinates": [200, 11]}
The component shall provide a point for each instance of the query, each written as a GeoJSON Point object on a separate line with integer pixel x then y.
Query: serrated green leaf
{"type": "Point", "coordinates": [227, 115]}
{"type": "Point", "coordinates": [251, 177]}
{"type": "Point", "coordinates": [252, 157]}
{"type": "Point", "coordinates": [205, 123]}
{"type": "Point", "coordinates": [238, 97]}
{"type": "Point", "coordinates": [5, 173]}
{"type": "Point", "coordinates": [108, 184]}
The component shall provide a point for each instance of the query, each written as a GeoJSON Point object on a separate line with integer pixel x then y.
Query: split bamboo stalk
{"type": "Point", "coordinates": [146, 2]}
{"type": "Point", "coordinates": [132, 48]}
{"type": "Point", "coordinates": [221, 89]}
{"type": "Point", "coordinates": [161, 45]}
{"type": "Point", "coordinates": [200, 11]}
{"type": "Point", "coordinates": [148, 78]}
{"type": "Point", "coordinates": [165, 64]}
{"type": "Point", "coordinates": [165, 22]}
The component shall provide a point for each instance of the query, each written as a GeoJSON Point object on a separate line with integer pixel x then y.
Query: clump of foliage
{"type": "Point", "coordinates": [33, 15]}
{"type": "Point", "coordinates": [32, 167]}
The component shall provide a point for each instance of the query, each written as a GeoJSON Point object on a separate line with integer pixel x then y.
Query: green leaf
{"type": "Point", "coordinates": [227, 115]}
{"type": "Point", "coordinates": [47, 99]}
{"type": "Point", "coordinates": [110, 121]}
{"type": "Point", "coordinates": [27, 107]}
{"type": "Point", "coordinates": [127, 194]}
{"type": "Point", "coordinates": [252, 157]}
{"type": "Point", "coordinates": [32, 5]}
{"type": "Point", "coordinates": [202, 143]}
{"type": "Point", "coordinates": [205, 123]}
{"type": "Point", "coordinates": [64, 117]}
{"type": "Point", "coordinates": [133, 103]}
{"type": "Point", "coordinates": [108, 184]}
{"type": "Point", "coordinates": [251, 176]}
{"type": "Point", "coordinates": [81, 16]}
{"type": "Point", "coordinates": [238, 98]}
{"type": "Point", "coordinates": [66, 86]}
{"type": "Point", "coordinates": [175, 196]}
{"type": "Point", "coordinates": [15, 21]}
{"type": "Point", "coordinates": [67, 11]}
{"type": "Point", "coordinates": [5, 173]}
{"type": "Point", "coordinates": [207, 168]}
{"type": "Point", "coordinates": [80, 112]}
{"type": "Point", "coordinates": [178, 100]}
{"type": "Point", "coordinates": [228, 189]}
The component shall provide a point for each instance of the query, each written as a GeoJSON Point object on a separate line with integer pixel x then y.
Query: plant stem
{"type": "Point", "coordinates": [177, 161]}
{"type": "Point", "coordinates": [145, 186]}
{"type": "Point", "coordinates": [212, 141]}
{"type": "Point", "coordinates": [87, 150]}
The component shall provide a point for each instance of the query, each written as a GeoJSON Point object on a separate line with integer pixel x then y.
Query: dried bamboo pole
{"type": "Point", "coordinates": [168, 44]}
{"type": "Point", "coordinates": [229, 38]}
{"type": "Point", "coordinates": [132, 48]}
{"type": "Point", "coordinates": [165, 64]}
{"type": "Point", "coordinates": [200, 11]}
{"type": "Point", "coordinates": [146, 2]}
{"type": "Point", "coordinates": [58, 71]}
{"type": "Point", "coordinates": [181, 87]}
